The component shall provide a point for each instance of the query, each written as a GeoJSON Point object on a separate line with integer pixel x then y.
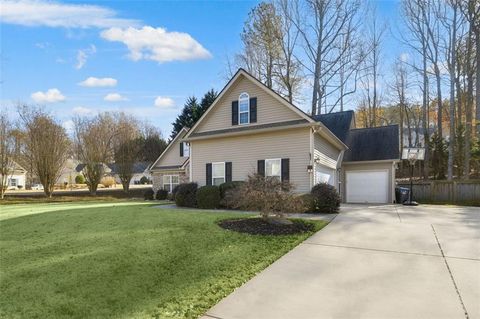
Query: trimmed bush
{"type": "Point", "coordinates": [79, 179]}
{"type": "Point", "coordinates": [230, 194]}
{"type": "Point", "coordinates": [208, 197]}
{"type": "Point", "coordinates": [186, 195]}
{"type": "Point", "coordinates": [144, 180]}
{"type": "Point", "coordinates": [225, 187]}
{"type": "Point", "coordinates": [148, 195]}
{"type": "Point", "coordinates": [325, 198]}
{"type": "Point", "coordinates": [162, 194]}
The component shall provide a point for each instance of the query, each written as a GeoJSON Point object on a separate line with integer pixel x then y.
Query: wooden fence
{"type": "Point", "coordinates": [455, 192]}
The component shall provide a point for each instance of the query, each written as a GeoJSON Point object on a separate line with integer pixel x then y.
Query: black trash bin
{"type": "Point", "coordinates": [401, 194]}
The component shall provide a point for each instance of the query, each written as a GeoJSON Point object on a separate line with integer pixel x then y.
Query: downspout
{"type": "Point", "coordinates": [312, 157]}
{"type": "Point", "coordinates": [190, 164]}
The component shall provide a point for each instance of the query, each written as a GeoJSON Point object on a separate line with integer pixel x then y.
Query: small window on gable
{"type": "Point", "coordinates": [244, 108]}
{"type": "Point", "coordinates": [186, 149]}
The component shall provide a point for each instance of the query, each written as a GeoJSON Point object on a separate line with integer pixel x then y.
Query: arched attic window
{"type": "Point", "coordinates": [244, 108]}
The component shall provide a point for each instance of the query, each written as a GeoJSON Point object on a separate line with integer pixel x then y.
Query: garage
{"type": "Point", "coordinates": [370, 186]}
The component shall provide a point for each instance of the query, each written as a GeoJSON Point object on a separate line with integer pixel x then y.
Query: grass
{"type": "Point", "coordinates": [10, 200]}
{"type": "Point", "coordinates": [123, 260]}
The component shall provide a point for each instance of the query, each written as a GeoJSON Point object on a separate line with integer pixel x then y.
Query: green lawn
{"type": "Point", "coordinates": [123, 260]}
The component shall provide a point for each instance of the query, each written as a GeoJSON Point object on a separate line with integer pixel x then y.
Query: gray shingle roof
{"type": "Point", "coordinates": [138, 167]}
{"type": "Point", "coordinates": [372, 144]}
{"type": "Point", "coordinates": [338, 123]}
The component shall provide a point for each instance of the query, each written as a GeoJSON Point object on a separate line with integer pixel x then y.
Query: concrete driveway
{"type": "Point", "coordinates": [386, 261]}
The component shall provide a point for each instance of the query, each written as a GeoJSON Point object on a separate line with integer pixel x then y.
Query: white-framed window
{"type": "Point", "coordinates": [186, 149]}
{"type": "Point", "coordinates": [13, 182]}
{"type": "Point", "coordinates": [218, 173]}
{"type": "Point", "coordinates": [273, 167]}
{"type": "Point", "coordinates": [244, 108]}
{"type": "Point", "coordinates": [170, 181]}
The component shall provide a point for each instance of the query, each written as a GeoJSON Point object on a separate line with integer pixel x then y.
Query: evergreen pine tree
{"type": "Point", "coordinates": [193, 111]}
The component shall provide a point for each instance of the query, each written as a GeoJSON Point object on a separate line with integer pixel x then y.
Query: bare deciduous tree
{"type": "Point", "coordinates": [127, 148]}
{"type": "Point", "coordinates": [47, 145]}
{"type": "Point", "coordinates": [7, 150]}
{"type": "Point", "coordinates": [323, 25]}
{"type": "Point", "coordinates": [94, 144]}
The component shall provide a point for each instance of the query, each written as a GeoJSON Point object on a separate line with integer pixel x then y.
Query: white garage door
{"type": "Point", "coordinates": [367, 186]}
{"type": "Point", "coordinates": [324, 175]}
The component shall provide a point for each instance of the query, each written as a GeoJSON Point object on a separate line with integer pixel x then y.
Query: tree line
{"type": "Point", "coordinates": [329, 54]}
{"type": "Point", "coordinates": [38, 142]}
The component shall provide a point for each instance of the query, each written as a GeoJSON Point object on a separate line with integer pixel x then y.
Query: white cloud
{"type": "Point", "coordinates": [56, 14]}
{"type": "Point", "coordinates": [114, 97]}
{"type": "Point", "coordinates": [164, 102]}
{"type": "Point", "coordinates": [98, 82]}
{"type": "Point", "coordinates": [51, 96]}
{"type": "Point", "coordinates": [157, 44]}
{"type": "Point", "coordinates": [80, 110]}
{"type": "Point", "coordinates": [68, 125]}
{"type": "Point", "coordinates": [82, 56]}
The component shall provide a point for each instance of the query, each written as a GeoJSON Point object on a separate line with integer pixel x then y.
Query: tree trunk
{"type": "Point", "coordinates": [426, 125]}
{"type": "Point", "coordinates": [477, 100]}
{"type": "Point", "coordinates": [469, 105]}
{"type": "Point", "coordinates": [453, 58]}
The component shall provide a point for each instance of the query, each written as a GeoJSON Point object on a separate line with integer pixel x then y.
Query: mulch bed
{"type": "Point", "coordinates": [258, 226]}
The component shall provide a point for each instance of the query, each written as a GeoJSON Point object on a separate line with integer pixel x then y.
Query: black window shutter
{"type": "Point", "coordinates": [261, 167]}
{"type": "Point", "coordinates": [181, 149]}
{"type": "Point", "coordinates": [228, 171]}
{"type": "Point", "coordinates": [253, 110]}
{"type": "Point", "coordinates": [235, 113]}
{"type": "Point", "coordinates": [209, 174]}
{"type": "Point", "coordinates": [285, 169]}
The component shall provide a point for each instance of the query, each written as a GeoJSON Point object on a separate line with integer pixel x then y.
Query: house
{"type": "Point", "coordinates": [17, 178]}
{"type": "Point", "coordinates": [251, 129]}
{"type": "Point", "coordinates": [139, 170]}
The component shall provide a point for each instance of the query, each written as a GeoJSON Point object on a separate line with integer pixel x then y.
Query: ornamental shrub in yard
{"type": "Point", "coordinates": [148, 195]}
{"type": "Point", "coordinates": [325, 198]}
{"type": "Point", "coordinates": [230, 193]}
{"type": "Point", "coordinates": [208, 197]}
{"type": "Point", "coordinates": [79, 179]}
{"type": "Point", "coordinates": [186, 195]}
{"type": "Point", "coordinates": [161, 194]}
{"type": "Point", "coordinates": [270, 196]}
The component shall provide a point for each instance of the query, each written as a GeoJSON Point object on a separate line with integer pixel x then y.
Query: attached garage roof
{"type": "Point", "coordinates": [373, 144]}
{"type": "Point", "coordinates": [338, 123]}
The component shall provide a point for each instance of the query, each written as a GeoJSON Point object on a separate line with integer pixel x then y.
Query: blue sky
{"type": "Point", "coordinates": [46, 54]}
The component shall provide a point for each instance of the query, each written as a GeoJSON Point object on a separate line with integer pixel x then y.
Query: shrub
{"type": "Point", "coordinates": [79, 179]}
{"type": "Point", "coordinates": [308, 204]}
{"type": "Point", "coordinates": [225, 187]}
{"type": "Point", "coordinates": [325, 198]}
{"type": "Point", "coordinates": [186, 195]}
{"type": "Point", "coordinates": [161, 194]}
{"type": "Point", "coordinates": [144, 180]}
{"type": "Point", "coordinates": [148, 194]}
{"type": "Point", "coordinates": [208, 197]}
{"type": "Point", "coordinates": [270, 196]}
{"type": "Point", "coordinates": [108, 181]}
{"type": "Point", "coordinates": [230, 194]}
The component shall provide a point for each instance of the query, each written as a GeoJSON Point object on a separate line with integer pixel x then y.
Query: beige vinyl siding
{"type": "Point", "coordinates": [326, 152]}
{"type": "Point", "coordinates": [172, 156]}
{"type": "Point", "coordinates": [269, 110]}
{"type": "Point", "coordinates": [375, 166]}
{"type": "Point", "coordinates": [245, 151]}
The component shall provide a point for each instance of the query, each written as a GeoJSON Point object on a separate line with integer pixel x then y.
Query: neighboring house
{"type": "Point", "coordinates": [251, 129]}
{"type": "Point", "coordinates": [68, 172]}
{"type": "Point", "coordinates": [140, 169]}
{"type": "Point", "coordinates": [80, 169]}
{"type": "Point", "coordinates": [17, 178]}
{"type": "Point", "coordinates": [172, 166]}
